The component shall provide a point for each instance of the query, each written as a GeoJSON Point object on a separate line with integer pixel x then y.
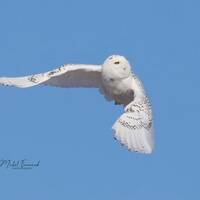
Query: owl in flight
{"type": "Point", "coordinates": [115, 80]}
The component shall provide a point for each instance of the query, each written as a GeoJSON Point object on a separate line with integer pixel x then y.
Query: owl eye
{"type": "Point", "coordinates": [116, 63]}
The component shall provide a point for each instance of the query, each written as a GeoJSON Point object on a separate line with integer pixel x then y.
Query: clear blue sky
{"type": "Point", "coordinates": [69, 130]}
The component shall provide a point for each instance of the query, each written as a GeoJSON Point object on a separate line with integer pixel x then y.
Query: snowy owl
{"type": "Point", "coordinates": [116, 81]}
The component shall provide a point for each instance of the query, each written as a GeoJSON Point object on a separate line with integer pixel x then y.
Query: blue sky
{"type": "Point", "coordinates": [69, 130]}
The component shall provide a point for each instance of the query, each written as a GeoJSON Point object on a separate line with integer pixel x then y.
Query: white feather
{"type": "Point", "coordinates": [134, 127]}
{"type": "Point", "coordinates": [65, 76]}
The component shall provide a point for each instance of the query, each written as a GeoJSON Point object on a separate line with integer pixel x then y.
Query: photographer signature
{"type": "Point", "coordinates": [18, 164]}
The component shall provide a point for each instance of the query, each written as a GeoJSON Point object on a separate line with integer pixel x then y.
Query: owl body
{"type": "Point", "coordinates": [118, 89]}
{"type": "Point", "coordinates": [117, 80]}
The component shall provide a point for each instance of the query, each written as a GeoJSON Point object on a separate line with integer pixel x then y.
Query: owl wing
{"type": "Point", "coordinates": [65, 76]}
{"type": "Point", "coordinates": [134, 127]}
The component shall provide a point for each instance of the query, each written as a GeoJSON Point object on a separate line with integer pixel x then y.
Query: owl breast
{"type": "Point", "coordinates": [118, 90]}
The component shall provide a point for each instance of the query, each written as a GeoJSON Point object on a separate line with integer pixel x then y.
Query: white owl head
{"type": "Point", "coordinates": [117, 67]}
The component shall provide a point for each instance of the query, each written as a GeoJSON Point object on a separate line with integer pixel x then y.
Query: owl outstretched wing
{"type": "Point", "coordinates": [69, 75]}
{"type": "Point", "coordinates": [134, 127]}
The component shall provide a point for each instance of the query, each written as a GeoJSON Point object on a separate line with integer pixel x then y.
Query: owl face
{"type": "Point", "coordinates": [116, 67]}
